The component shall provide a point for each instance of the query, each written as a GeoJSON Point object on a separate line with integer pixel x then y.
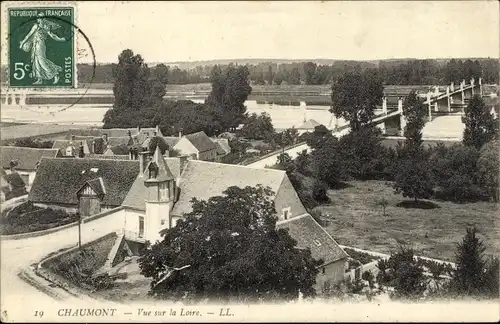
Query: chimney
{"type": "Point", "coordinates": [13, 164]}
{"type": "Point", "coordinates": [157, 129]}
{"type": "Point", "coordinates": [167, 154]}
{"type": "Point", "coordinates": [180, 134]}
{"type": "Point", "coordinates": [93, 147]}
{"type": "Point", "coordinates": [143, 161]}
{"type": "Point", "coordinates": [138, 129]}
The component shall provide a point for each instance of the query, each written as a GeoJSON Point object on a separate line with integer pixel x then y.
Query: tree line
{"type": "Point", "coordinates": [398, 72]}
{"type": "Point", "coordinates": [139, 91]}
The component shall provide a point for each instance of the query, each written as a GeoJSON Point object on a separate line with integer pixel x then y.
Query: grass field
{"type": "Point", "coordinates": [356, 220]}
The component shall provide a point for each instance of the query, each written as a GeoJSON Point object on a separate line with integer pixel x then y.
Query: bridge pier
{"type": "Point", "coordinates": [384, 105]}
{"type": "Point", "coordinates": [429, 105]}
{"type": "Point", "coordinates": [462, 91]}
{"type": "Point", "coordinates": [402, 118]}
{"type": "Point", "coordinates": [448, 98]}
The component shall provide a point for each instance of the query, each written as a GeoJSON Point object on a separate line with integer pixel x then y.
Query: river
{"type": "Point", "coordinates": [283, 116]}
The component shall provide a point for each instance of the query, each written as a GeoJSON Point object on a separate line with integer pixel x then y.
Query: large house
{"type": "Point", "coordinates": [164, 188]}
{"type": "Point", "coordinates": [154, 192]}
{"type": "Point", "coordinates": [88, 185]}
{"type": "Point", "coordinates": [198, 145]}
{"type": "Point", "coordinates": [24, 160]}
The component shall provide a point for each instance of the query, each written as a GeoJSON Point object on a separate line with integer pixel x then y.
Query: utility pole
{"type": "Point", "coordinates": [79, 224]}
{"type": "Point", "coordinates": [79, 231]}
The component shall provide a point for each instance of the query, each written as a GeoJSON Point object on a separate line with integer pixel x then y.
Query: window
{"type": "Point", "coordinates": [162, 222]}
{"type": "Point", "coordinates": [285, 214]}
{"type": "Point", "coordinates": [141, 226]}
{"type": "Point", "coordinates": [323, 270]}
{"type": "Point", "coordinates": [163, 190]}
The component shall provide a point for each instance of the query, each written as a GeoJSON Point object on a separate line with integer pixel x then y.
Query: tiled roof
{"type": "Point", "coordinates": [116, 141]}
{"type": "Point", "coordinates": [15, 180]}
{"type": "Point", "coordinates": [171, 140]}
{"type": "Point", "coordinates": [107, 157]}
{"type": "Point", "coordinates": [203, 180]}
{"type": "Point", "coordinates": [58, 180]}
{"type": "Point", "coordinates": [309, 124]}
{"type": "Point", "coordinates": [26, 157]}
{"type": "Point", "coordinates": [201, 141]}
{"type": "Point", "coordinates": [137, 193]}
{"type": "Point", "coordinates": [17, 186]}
{"type": "Point", "coordinates": [222, 145]}
{"type": "Point", "coordinates": [309, 234]}
{"type": "Point", "coordinates": [111, 132]}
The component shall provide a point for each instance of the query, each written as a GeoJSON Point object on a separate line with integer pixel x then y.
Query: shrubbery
{"type": "Point", "coordinates": [29, 218]}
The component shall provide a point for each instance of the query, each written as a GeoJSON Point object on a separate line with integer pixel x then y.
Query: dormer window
{"type": "Point", "coordinates": [153, 170]}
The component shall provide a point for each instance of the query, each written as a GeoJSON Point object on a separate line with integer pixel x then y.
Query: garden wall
{"type": "Point", "coordinates": [73, 266]}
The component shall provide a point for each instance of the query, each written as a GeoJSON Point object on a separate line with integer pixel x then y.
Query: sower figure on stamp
{"type": "Point", "coordinates": [42, 67]}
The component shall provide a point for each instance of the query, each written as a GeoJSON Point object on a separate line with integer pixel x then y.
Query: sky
{"type": "Point", "coordinates": [358, 30]}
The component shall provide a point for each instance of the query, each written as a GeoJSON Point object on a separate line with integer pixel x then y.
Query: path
{"type": "Point", "coordinates": [18, 254]}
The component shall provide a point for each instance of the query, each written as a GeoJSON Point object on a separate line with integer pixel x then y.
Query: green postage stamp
{"type": "Point", "coordinates": [42, 42]}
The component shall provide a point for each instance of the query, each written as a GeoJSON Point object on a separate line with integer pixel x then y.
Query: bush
{"type": "Point", "coordinates": [101, 282]}
{"type": "Point", "coordinates": [356, 286]}
{"type": "Point", "coordinates": [368, 276]}
{"type": "Point", "coordinates": [29, 218]}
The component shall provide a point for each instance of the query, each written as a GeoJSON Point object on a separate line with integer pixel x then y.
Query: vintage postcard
{"type": "Point", "coordinates": [249, 161]}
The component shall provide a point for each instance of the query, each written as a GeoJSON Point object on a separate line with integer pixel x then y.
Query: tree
{"type": "Point", "coordinates": [230, 250]}
{"type": "Point", "coordinates": [480, 127]}
{"type": "Point", "coordinates": [270, 75]}
{"type": "Point", "coordinates": [258, 127]}
{"type": "Point", "coordinates": [328, 164]}
{"type": "Point", "coordinates": [469, 276]}
{"type": "Point", "coordinates": [319, 137]}
{"type": "Point", "coordinates": [34, 143]}
{"type": "Point", "coordinates": [454, 173]}
{"type": "Point", "coordinates": [158, 141]}
{"type": "Point", "coordinates": [354, 97]}
{"type": "Point", "coordinates": [289, 136]}
{"type": "Point", "coordinates": [363, 153]}
{"type": "Point", "coordinates": [413, 179]}
{"type": "Point", "coordinates": [137, 91]}
{"type": "Point", "coordinates": [294, 77]}
{"type": "Point", "coordinates": [310, 72]}
{"type": "Point", "coordinates": [383, 203]}
{"type": "Point", "coordinates": [408, 275]}
{"type": "Point", "coordinates": [415, 112]}
{"type": "Point", "coordinates": [488, 165]}
{"type": "Point", "coordinates": [230, 89]}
